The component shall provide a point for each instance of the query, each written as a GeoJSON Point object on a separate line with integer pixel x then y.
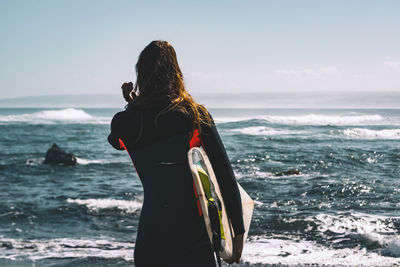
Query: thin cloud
{"type": "Point", "coordinates": [395, 65]}
{"type": "Point", "coordinates": [310, 74]}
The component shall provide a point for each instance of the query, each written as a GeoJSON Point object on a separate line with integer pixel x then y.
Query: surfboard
{"type": "Point", "coordinates": [209, 194]}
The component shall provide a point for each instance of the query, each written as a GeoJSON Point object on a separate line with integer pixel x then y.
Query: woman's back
{"type": "Point", "coordinates": [140, 128]}
{"type": "Point", "coordinates": [170, 228]}
{"type": "Point", "coordinates": [156, 129]}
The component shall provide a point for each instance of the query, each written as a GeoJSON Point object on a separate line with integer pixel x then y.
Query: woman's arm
{"type": "Point", "coordinates": [116, 125]}
{"type": "Point", "coordinates": [115, 135]}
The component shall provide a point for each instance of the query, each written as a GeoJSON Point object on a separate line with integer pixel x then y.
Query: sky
{"type": "Point", "coordinates": [91, 47]}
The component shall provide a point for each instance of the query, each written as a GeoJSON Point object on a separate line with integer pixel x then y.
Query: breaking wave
{"type": "Point", "coordinates": [361, 133]}
{"type": "Point", "coordinates": [128, 206]}
{"type": "Point", "coordinates": [17, 249]}
{"type": "Point", "coordinates": [339, 228]}
{"type": "Point", "coordinates": [262, 130]}
{"type": "Point", "coordinates": [289, 252]}
{"type": "Point", "coordinates": [83, 161]}
{"type": "Point", "coordinates": [68, 115]}
{"type": "Point", "coordinates": [373, 228]}
{"type": "Point", "coordinates": [317, 119]}
{"type": "Point", "coordinates": [313, 119]}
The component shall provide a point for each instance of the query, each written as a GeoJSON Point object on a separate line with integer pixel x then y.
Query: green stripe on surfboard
{"type": "Point", "coordinates": [205, 182]}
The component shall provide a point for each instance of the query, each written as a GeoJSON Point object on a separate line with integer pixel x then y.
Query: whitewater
{"type": "Point", "coordinates": [341, 207]}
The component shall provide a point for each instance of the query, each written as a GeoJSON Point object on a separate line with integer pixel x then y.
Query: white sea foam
{"type": "Point", "coordinates": [355, 222]}
{"type": "Point", "coordinates": [258, 203]}
{"type": "Point", "coordinates": [318, 119]}
{"type": "Point", "coordinates": [69, 115]}
{"type": "Point", "coordinates": [34, 161]}
{"type": "Point", "coordinates": [374, 228]}
{"type": "Point", "coordinates": [348, 223]}
{"type": "Point", "coordinates": [314, 119]}
{"type": "Point", "coordinates": [15, 249]}
{"type": "Point", "coordinates": [83, 161]}
{"type": "Point", "coordinates": [362, 133]}
{"type": "Point", "coordinates": [254, 174]}
{"type": "Point", "coordinates": [63, 114]}
{"type": "Point", "coordinates": [232, 119]}
{"type": "Point", "coordinates": [301, 252]}
{"type": "Point", "coordinates": [129, 206]}
{"type": "Point", "coordinates": [262, 130]}
{"type": "Point", "coordinates": [270, 175]}
{"type": "Point", "coordinates": [258, 251]}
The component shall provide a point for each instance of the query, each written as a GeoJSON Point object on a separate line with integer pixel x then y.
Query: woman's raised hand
{"type": "Point", "coordinates": [237, 249]}
{"type": "Point", "coordinates": [127, 91]}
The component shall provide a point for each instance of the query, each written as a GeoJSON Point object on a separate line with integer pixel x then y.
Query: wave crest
{"type": "Point", "coordinates": [129, 206]}
{"type": "Point", "coordinates": [361, 133]}
{"type": "Point", "coordinates": [317, 119]}
{"type": "Point", "coordinates": [276, 251]}
{"type": "Point", "coordinates": [341, 227]}
{"type": "Point", "coordinates": [314, 119]}
{"type": "Point", "coordinates": [54, 116]}
{"type": "Point", "coordinates": [262, 130]}
{"type": "Point", "coordinates": [17, 249]}
{"type": "Point", "coordinates": [83, 161]}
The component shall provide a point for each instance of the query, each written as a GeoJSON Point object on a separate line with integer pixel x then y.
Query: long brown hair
{"type": "Point", "coordinates": [160, 83]}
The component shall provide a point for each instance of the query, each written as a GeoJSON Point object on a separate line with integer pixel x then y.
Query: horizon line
{"type": "Point", "coordinates": [222, 93]}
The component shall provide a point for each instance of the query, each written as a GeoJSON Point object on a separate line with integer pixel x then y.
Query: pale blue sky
{"type": "Point", "coordinates": [71, 47]}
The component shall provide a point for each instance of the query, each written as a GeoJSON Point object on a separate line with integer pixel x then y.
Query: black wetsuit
{"type": "Point", "coordinates": [171, 232]}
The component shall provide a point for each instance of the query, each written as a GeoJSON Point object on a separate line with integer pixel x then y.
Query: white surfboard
{"type": "Point", "coordinates": [201, 170]}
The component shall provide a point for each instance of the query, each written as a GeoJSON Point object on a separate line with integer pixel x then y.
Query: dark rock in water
{"type": "Point", "coordinates": [289, 172]}
{"type": "Point", "coordinates": [6, 244]}
{"type": "Point", "coordinates": [55, 155]}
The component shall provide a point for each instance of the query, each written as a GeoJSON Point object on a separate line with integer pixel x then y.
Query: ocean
{"type": "Point", "coordinates": [325, 183]}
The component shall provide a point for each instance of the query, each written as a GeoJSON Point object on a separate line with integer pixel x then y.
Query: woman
{"type": "Point", "coordinates": [157, 128]}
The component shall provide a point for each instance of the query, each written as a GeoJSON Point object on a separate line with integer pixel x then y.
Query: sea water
{"type": "Point", "coordinates": [340, 208]}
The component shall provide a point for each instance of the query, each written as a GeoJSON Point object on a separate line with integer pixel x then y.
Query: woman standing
{"type": "Point", "coordinates": [157, 128]}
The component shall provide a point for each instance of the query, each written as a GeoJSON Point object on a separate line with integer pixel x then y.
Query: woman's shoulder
{"type": "Point", "coordinates": [123, 116]}
{"type": "Point", "coordinates": [206, 116]}
{"type": "Point", "coordinates": [118, 116]}
{"type": "Point", "coordinates": [203, 110]}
